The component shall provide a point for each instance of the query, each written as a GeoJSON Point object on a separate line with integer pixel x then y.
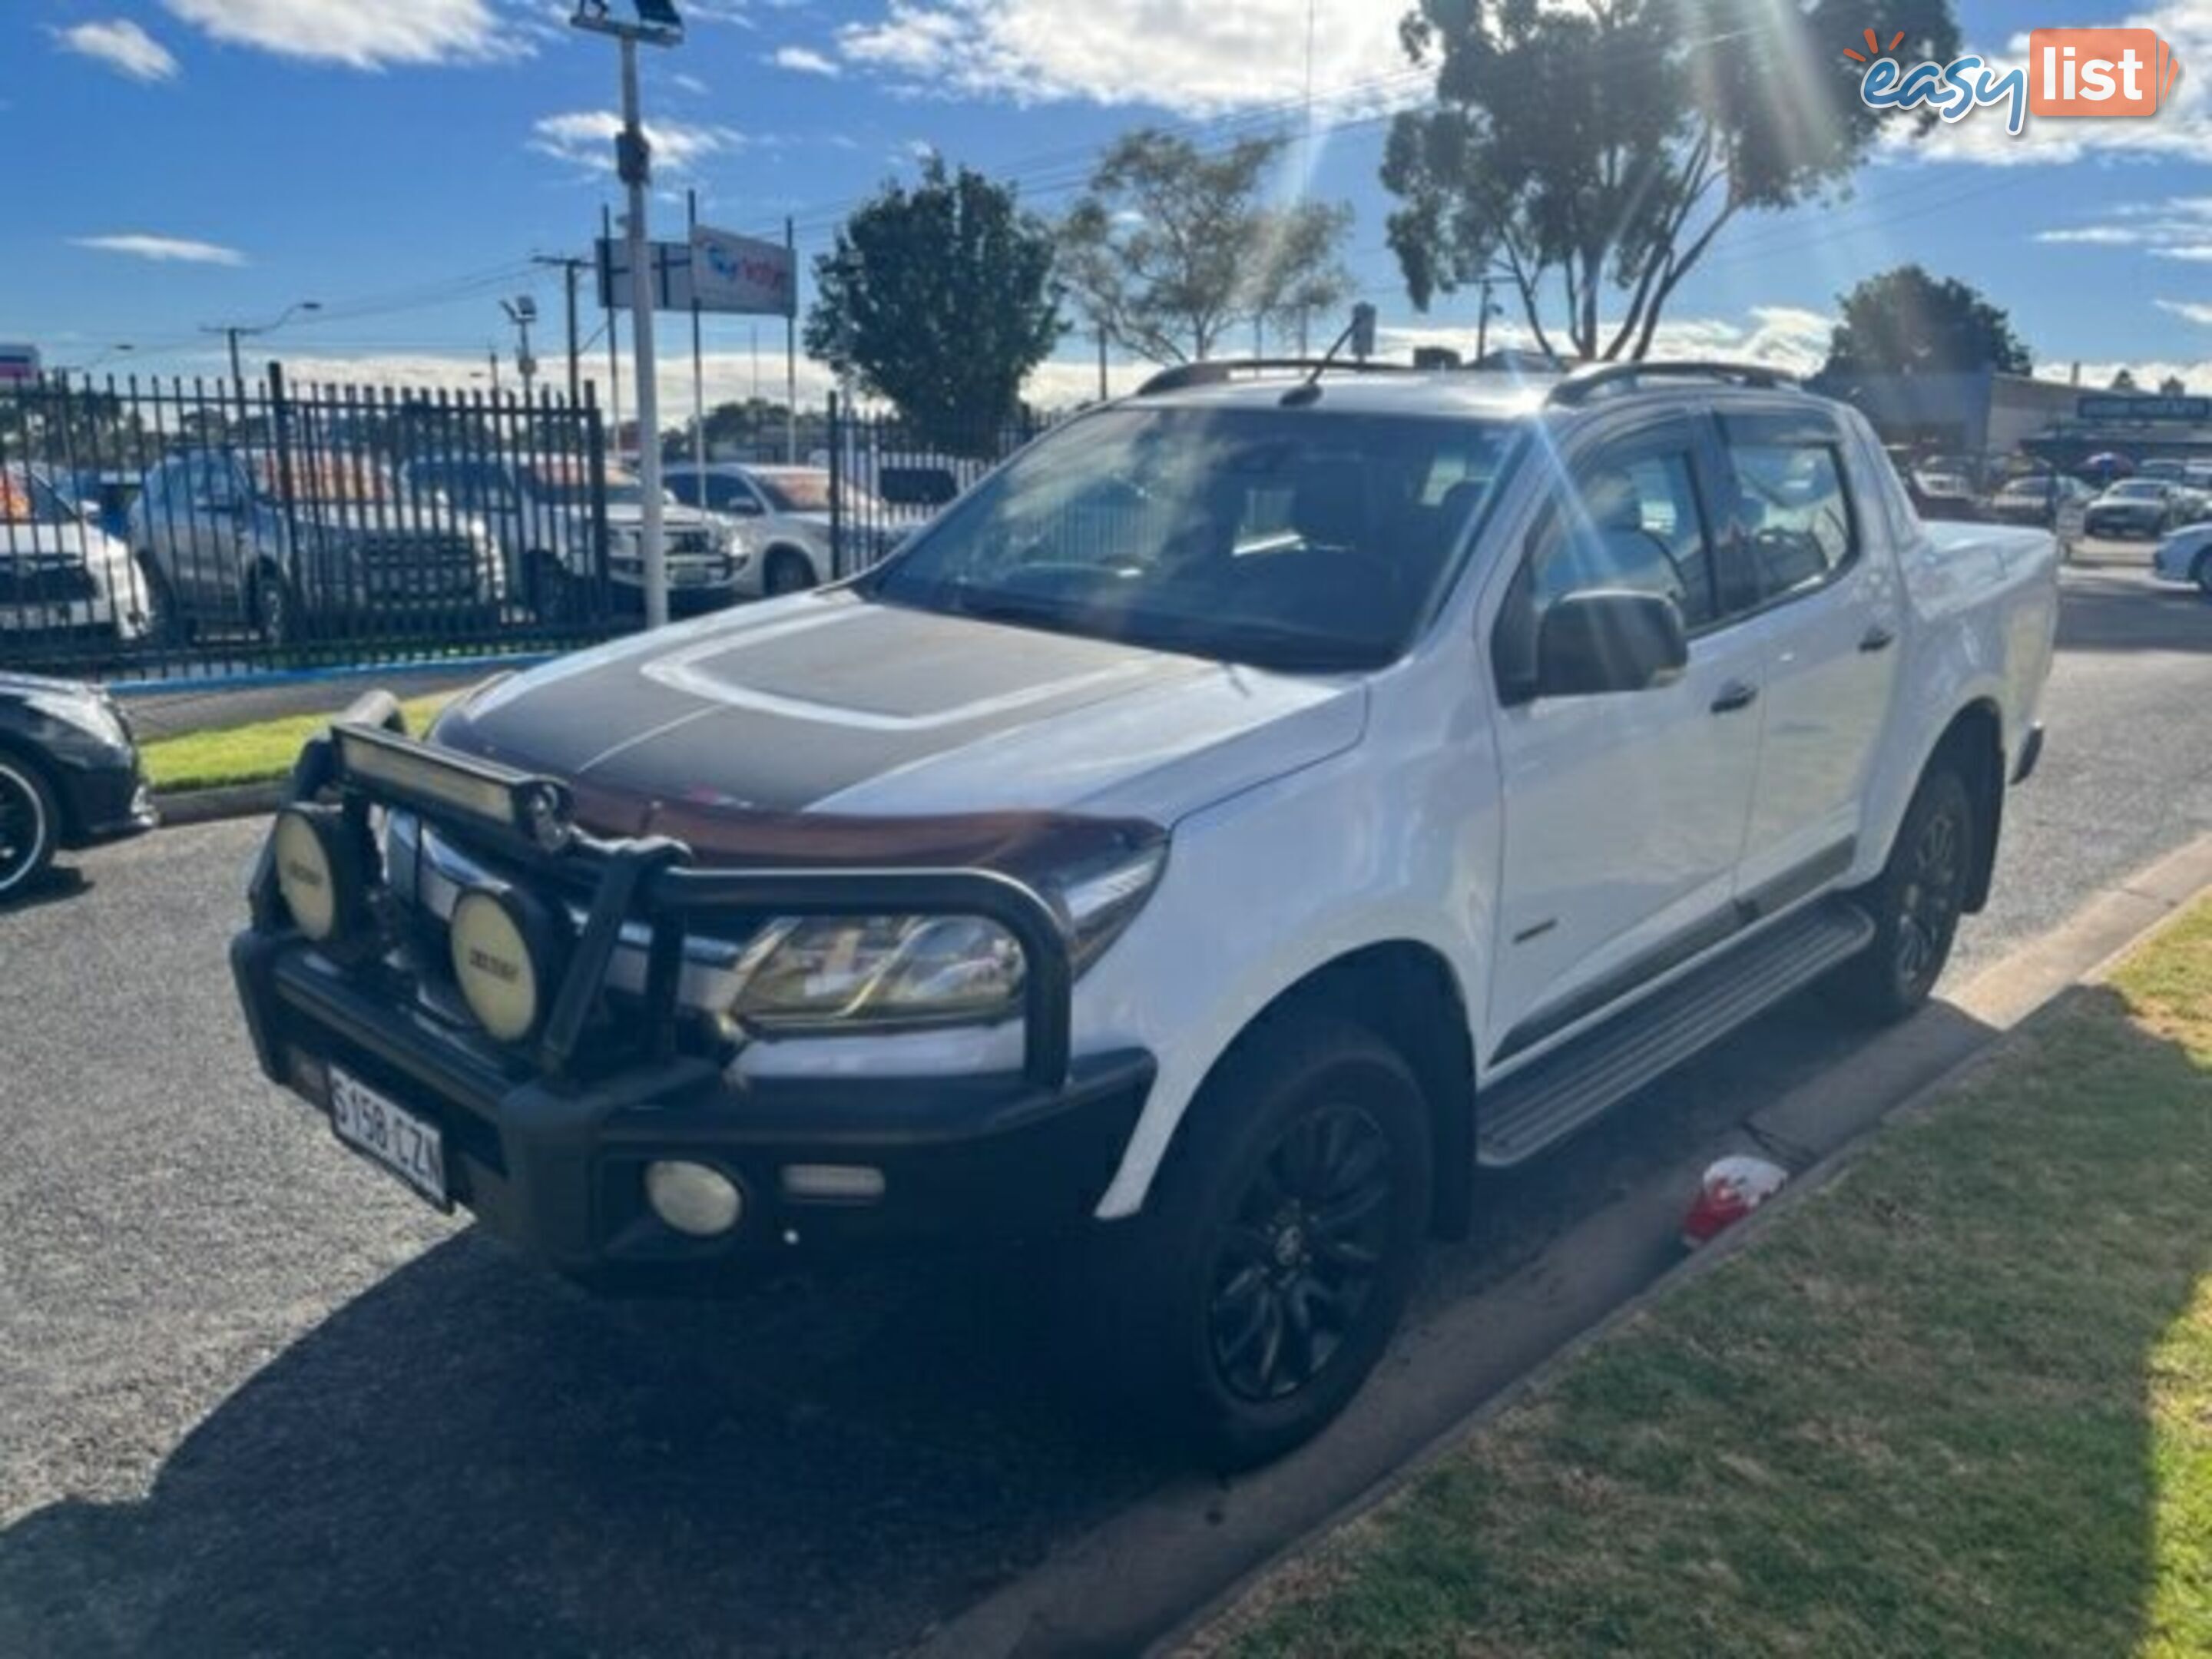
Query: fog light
{"type": "Point", "coordinates": [693, 1198]}
{"type": "Point", "coordinates": [832, 1183]}
{"type": "Point", "coordinates": [320, 874]}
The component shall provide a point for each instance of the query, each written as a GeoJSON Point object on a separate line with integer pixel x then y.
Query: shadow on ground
{"type": "Point", "coordinates": [471, 1457]}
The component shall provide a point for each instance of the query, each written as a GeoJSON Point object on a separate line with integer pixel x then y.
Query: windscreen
{"type": "Point", "coordinates": [1299, 538]}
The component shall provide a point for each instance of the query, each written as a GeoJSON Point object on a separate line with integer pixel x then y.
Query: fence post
{"type": "Point", "coordinates": [836, 490]}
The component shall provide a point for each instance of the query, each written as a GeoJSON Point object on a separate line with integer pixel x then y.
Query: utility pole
{"type": "Point", "coordinates": [698, 350]}
{"type": "Point", "coordinates": [572, 270]}
{"type": "Point", "coordinates": [657, 24]}
{"type": "Point", "coordinates": [491, 355]}
{"type": "Point", "coordinates": [1102, 361]}
{"type": "Point", "coordinates": [1482, 325]}
{"type": "Point", "coordinates": [233, 332]}
{"type": "Point", "coordinates": [791, 351]}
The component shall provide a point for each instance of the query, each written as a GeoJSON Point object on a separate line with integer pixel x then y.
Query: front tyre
{"type": "Point", "coordinates": [1275, 1257]}
{"type": "Point", "coordinates": [30, 827]}
{"type": "Point", "coordinates": [1917, 900]}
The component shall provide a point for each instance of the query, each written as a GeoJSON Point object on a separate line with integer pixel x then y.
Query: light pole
{"type": "Point", "coordinates": [91, 363]}
{"type": "Point", "coordinates": [236, 331]}
{"type": "Point", "coordinates": [522, 313]}
{"type": "Point", "coordinates": [657, 24]}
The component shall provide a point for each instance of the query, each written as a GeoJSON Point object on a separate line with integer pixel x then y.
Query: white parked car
{"type": "Point", "coordinates": [1259, 804]}
{"type": "Point", "coordinates": [2186, 557]}
{"type": "Point", "coordinates": [62, 576]}
{"type": "Point", "coordinates": [540, 511]}
{"type": "Point", "coordinates": [787, 518]}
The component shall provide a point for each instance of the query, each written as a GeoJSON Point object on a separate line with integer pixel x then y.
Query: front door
{"type": "Point", "coordinates": [1623, 813]}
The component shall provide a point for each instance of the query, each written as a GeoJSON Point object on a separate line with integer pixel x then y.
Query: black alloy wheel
{"type": "Point", "coordinates": [28, 825]}
{"type": "Point", "coordinates": [1297, 1265]}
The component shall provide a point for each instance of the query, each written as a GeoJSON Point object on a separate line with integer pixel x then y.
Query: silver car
{"type": "Point", "coordinates": [786, 517]}
{"type": "Point", "coordinates": [2186, 557]}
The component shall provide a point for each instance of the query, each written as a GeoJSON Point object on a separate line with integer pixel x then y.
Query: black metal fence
{"type": "Point", "coordinates": [181, 529]}
{"type": "Point", "coordinates": [192, 528]}
{"type": "Point", "coordinates": [888, 478]}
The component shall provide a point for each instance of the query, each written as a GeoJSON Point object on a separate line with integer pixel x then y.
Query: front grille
{"type": "Point", "coordinates": [47, 584]}
{"type": "Point", "coordinates": [694, 541]}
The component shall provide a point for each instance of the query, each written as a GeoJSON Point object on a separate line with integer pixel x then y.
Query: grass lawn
{"type": "Point", "coordinates": [1957, 1402]}
{"type": "Point", "coordinates": [252, 754]}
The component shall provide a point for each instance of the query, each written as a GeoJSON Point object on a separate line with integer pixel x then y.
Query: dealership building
{"type": "Point", "coordinates": [1994, 415]}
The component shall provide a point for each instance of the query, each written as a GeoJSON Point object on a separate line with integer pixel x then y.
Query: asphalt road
{"type": "Point", "coordinates": [254, 1398]}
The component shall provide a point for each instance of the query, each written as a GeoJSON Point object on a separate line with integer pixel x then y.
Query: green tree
{"type": "Point", "coordinates": [1603, 146]}
{"type": "Point", "coordinates": [1906, 322]}
{"type": "Point", "coordinates": [939, 299]}
{"type": "Point", "coordinates": [1172, 247]}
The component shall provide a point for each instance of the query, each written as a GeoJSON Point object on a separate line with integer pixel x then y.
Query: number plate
{"type": "Point", "coordinates": [386, 1132]}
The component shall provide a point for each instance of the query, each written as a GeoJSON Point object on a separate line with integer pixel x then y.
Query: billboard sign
{"type": "Point", "coordinates": [2114, 407]}
{"type": "Point", "coordinates": [741, 275]}
{"type": "Point", "coordinates": [19, 364]}
{"type": "Point", "coordinates": [672, 275]}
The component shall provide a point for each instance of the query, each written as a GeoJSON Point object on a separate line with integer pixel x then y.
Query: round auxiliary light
{"type": "Point", "coordinates": [694, 1199]}
{"type": "Point", "coordinates": [508, 953]}
{"type": "Point", "coordinates": [320, 870]}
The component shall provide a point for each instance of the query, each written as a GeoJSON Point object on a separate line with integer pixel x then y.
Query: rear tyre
{"type": "Point", "coordinates": [1917, 900]}
{"type": "Point", "coordinates": [273, 611]}
{"type": "Point", "coordinates": [165, 623]}
{"type": "Point", "coordinates": [787, 571]}
{"type": "Point", "coordinates": [30, 827]}
{"type": "Point", "coordinates": [2202, 574]}
{"type": "Point", "coordinates": [1275, 1256]}
{"type": "Point", "coordinates": [553, 590]}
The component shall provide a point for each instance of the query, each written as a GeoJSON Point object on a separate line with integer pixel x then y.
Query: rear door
{"type": "Point", "coordinates": [1811, 566]}
{"type": "Point", "coordinates": [1624, 813]}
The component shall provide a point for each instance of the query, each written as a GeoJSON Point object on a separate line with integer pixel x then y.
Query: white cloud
{"type": "Point", "coordinates": [1787, 337]}
{"type": "Point", "coordinates": [585, 138]}
{"type": "Point", "coordinates": [365, 34]}
{"type": "Point", "coordinates": [1191, 56]}
{"type": "Point", "coordinates": [2183, 128]}
{"type": "Point", "coordinates": [804, 60]}
{"type": "Point", "coordinates": [2095, 236]}
{"type": "Point", "coordinates": [122, 45]}
{"type": "Point", "coordinates": [165, 250]}
{"type": "Point", "coordinates": [2188, 310]}
{"type": "Point", "coordinates": [2176, 227]}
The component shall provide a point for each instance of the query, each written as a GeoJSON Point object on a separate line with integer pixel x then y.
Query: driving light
{"type": "Point", "coordinates": [694, 1199]}
{"type": "Point", "coordinates": [507, 954]}
{"type": "Point", "coordinates": [320, 872]}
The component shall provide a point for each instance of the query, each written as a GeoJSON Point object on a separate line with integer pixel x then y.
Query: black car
{"type": "Point", "coordinates": [70, 775]}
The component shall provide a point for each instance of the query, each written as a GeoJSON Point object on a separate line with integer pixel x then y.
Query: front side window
{"type": "Point", "coordinates": [1631, 521]}
{"type": "Point", "coordinates": [1303, 538]}
{"type": "Point", "coordinates": [1796, 515]}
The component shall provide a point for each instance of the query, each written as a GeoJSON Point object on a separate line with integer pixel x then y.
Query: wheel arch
{"type": "Point", "coordinates": [786, 548]}
{"type": "Point", "coordinates": [1408, 994]}
{"type": "Point", "coordinates": [1974, 742]}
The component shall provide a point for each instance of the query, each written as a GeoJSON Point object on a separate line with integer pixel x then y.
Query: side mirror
{"type": "Point", "coordinates": [1609, 640]}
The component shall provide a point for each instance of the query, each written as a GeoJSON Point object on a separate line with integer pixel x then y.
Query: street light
{"type": "Point", "coordinates": [237, 331]}
{"type": "Point", "coordinates": [91, 363]}
{"type": "Point", "coordinates": [654, 22]}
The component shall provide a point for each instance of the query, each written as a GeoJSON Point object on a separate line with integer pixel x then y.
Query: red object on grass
{"type": "Point", "coordinates": [1732, 1190]}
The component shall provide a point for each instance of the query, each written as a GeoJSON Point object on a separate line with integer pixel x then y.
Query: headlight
{"type": "Point", "coordinates": [854, 972]}
{"type": "Point", "coordinates": [90, 715]}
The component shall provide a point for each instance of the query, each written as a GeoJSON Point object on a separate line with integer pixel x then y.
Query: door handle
{"type": "Point", "coordinates": [1734, 696]}
{"type": "Point", "coordinates": [1877, 638]}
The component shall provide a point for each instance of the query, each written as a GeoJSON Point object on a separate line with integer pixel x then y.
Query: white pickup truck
{"type": "Point", "coordinates": [1259, 803]}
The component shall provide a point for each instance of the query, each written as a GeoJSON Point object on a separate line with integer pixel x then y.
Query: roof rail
{"type": "Point", "coordinates": [1578, 388]}
{"type": "Point", "coordinates": [1217, 371]}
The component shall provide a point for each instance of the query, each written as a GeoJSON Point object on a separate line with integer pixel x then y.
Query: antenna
{"type": "Point", "coordinates": [1358, 334]}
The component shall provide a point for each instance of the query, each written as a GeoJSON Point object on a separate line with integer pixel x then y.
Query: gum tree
{"type": "Point", "coordinates": [1590, 153]}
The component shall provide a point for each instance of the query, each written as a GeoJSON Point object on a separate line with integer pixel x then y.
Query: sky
{"type": "Point", "coordinates": [187, 163]}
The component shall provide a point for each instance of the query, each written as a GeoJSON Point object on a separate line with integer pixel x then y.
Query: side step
{"type": "Point", "coordinates": [1566, 1089]}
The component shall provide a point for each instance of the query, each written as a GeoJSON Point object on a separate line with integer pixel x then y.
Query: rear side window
{"type": "Point", "coordinates": [1795, 511]}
